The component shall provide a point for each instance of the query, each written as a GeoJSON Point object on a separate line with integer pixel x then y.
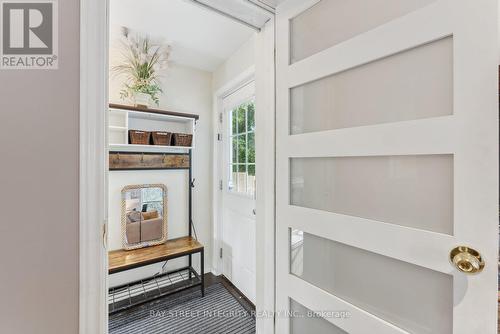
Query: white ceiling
{"type": "Point", "coordinates": [199, 37]}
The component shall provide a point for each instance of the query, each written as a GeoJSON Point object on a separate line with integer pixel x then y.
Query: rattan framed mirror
{"type": "Point", "coordinates": [144, 215]}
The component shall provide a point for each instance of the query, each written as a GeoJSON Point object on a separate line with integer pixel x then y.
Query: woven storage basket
{"type": "Point", "coordinates": [137, 137]}
{"type": "Point", "coordinates": [161, 138]}
{"type": "Point", "coordinates": [182, 139]}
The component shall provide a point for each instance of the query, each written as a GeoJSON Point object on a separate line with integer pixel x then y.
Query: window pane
{"type": "Point", "coordinates": [234, 121]}
{"type": "Point", "coordinates": [251, 116]}
{"type": "Point", "coordinates": [251, 180]}
{"type": "Point", "coordinates": [232, 182]}
{"type": "Point", "coordinates": [251, 148]}
{"type": "Point", "coordinates": [242, 148]}
{"type": "Point", "coordinates": [251, 170]}
{"type": "Point", "coordinates": [242, 178]}
{"type": "Point", "coordinates": [388, 288]}
{"type": "Point", "coordinates": [242, 119]}
{"type": "Point", "coordinates": [234, 150]}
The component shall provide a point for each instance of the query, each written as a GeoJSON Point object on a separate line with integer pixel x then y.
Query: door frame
{"type": "Point", "coordinates": [265, 154]}
{"type": "Point", "coordinates": [240, 83]}
{"type": "Point", "coordinates": [232, 86]}
{"type": "Point", "coordinates": [94, 32]}
{"type": "Point", "coordinates": [93, 312]}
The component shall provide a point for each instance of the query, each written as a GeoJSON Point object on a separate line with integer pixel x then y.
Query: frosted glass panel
{"type": "Point", "coordinates": [414, 191]}
{"type": "Point", "coordinates": [333, 21]}
{"type": "Point", "coordinates": [414, 84]}
{"type": "Point", "coordinates": [304, 322]}
{"type": "Point", "coordinates": [414, 298]}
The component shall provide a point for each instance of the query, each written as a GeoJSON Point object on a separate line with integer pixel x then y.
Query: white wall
{"type": "Point", "coordinates": [39, 149]}
{"type": "Point", "coordinates": [239, 62]}
{"type": "Point", "coordinates": [185, 90]}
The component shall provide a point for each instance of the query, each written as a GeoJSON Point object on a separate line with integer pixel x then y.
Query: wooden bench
{"type": "Point", "coordinates": [122, 260]}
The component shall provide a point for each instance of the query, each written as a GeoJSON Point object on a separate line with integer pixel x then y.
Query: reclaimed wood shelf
{"type": "Point", "coordinates": [145, 161]}
{"type": "Point", "coordinates": [122, 260]}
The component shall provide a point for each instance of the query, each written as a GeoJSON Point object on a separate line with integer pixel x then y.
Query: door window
{"type": "Point", "coordinates": [242, 149]}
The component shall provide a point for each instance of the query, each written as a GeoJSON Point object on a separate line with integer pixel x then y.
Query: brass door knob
{"type": "Point", "coordinates": [467, 260]}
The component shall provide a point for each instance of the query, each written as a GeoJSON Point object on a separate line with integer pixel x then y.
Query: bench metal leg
{"type": "Point", "coordinates": [190, 264]}
{"type": "Point", "coordinates": [202, 272]}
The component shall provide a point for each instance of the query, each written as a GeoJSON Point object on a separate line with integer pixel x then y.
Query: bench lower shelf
{"type": "Point", "coordinates": [141, 291]}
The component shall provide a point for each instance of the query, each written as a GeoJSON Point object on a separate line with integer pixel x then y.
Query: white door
{"type": "Point", "coordinates": [238, 190]}
{"type": "Point", "coordinates": [387, 149]}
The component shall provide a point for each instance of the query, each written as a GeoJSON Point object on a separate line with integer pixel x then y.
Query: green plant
{"type": "Point", "coordinates": [141, 61]}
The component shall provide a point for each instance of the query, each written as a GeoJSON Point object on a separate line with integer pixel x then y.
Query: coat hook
{"type": "Point", "coordinates": [164, 158]}
{"type": "Point", "coordinates": [118, 156]}
{"type": "Point", "coordinates": [142, 157]}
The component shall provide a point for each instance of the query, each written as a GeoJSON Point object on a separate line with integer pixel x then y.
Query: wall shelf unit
{"type": "Point", "coordinates": [124, 118]}
{"type": "Point", "coordinates": [127, 157]}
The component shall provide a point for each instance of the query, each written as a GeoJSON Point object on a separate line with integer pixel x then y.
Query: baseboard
{"type": "Point", "coordinates": [240, 295]}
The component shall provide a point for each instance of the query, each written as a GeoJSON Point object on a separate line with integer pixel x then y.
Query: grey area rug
{"type": "Point", "coordinates": [218, 312]}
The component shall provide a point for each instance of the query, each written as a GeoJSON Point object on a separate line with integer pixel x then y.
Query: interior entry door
{"type": "Point", "coordinates": [238, 190]}
{"type": "Point", "coordinates": [387, 149]}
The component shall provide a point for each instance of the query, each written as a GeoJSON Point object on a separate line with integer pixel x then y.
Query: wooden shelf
{"type": "Point", "coordinates": [153, 111]}
{"type": "Point", "coordinates": [136, 115]}
{"type": "Point", "coordinates": [121, 260]}
{"type": "Point", "coordinates": [148, 161]}
{"type": "Point", "coordinates": [148, 148]}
